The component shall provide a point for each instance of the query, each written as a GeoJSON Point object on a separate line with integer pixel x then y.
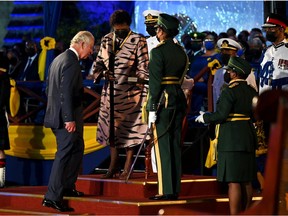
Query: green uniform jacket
{"type": "Point", "coordinates": [166, 68]}
{"type": "Point", "coordinates": [235, 135]}
{"type": "Point", "coordinates": [166, 60]}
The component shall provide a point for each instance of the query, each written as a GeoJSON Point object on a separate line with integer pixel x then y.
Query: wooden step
{"type": "Point", "coordinates": [141, 188]}
{"type": "Point", "coordinates": [200, 194]}
{"type": "Point", "coordinates": [27, 200]}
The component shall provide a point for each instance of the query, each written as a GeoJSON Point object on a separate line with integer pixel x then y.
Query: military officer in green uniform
{"type": "Point", "coordinates": [167, 67]}
{"type": "Point", "coordinates": [237, 139]}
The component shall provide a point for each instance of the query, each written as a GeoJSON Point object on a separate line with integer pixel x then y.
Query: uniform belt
{"type": "Point", "coordinates": [237, 117]}
{"type": "Point", "coordinates": [170, 80]}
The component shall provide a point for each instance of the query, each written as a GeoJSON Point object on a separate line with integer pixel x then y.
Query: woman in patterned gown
{"type": "Point", "coordinates": [129, 59]}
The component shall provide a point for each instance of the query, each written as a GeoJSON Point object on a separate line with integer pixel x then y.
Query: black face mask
{"type": "Point", "coordinates": [196, 47]}
{"type": "Point", "coordinates": [255, 53]}
{"type": "Point", "coordinates": [30, 52]}
{"type": "Point", "coordinates": [271, 36]}
{"type": "Point", "coordinates": [151, 30]}
{"type": "Point", "coordinates": [13, 61]}
{"type": "Point", "coordinates": [121, 33]}
{"type": "Point", "coordinates": [225, 58]}
{"type": "Point", "coordinates": [158, 38]}
{"type": "Point", "coordinates": [227, 78]}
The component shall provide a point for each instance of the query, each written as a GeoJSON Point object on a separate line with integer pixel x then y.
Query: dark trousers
{"type": "Point", "coordinates": [68, 160]}
{"type": "Point", "coordinates": [167, 141]}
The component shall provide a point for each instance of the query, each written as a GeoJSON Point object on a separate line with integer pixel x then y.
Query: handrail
{"type": "Point", "coordinates": [34, 90]}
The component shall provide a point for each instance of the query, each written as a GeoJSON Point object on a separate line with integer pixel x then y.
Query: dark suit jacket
{"type": "Point", "coordinates": [64, 90]}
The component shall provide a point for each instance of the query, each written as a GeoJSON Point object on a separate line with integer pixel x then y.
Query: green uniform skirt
{"type": "Point", "coordinates": [236, 167]}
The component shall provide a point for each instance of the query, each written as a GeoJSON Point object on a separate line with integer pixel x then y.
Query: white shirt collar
{"type": "Point", "coordinates": [32, 57]}
{"type": "Point", "coordinates": [71, 48]}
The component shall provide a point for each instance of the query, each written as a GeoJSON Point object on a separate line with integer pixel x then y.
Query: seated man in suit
{"type": "Point", "coordinates": [28, 70]}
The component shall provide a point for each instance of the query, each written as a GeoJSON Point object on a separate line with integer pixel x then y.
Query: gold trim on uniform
{"type": "Point", "coordinates": [237, 117]}
{"type": "Point", "coordinates": [170, 80]}
{"type": "Point", "coordinates": [233, 85]}
{"type": "Point", "coordinates": [158, 160]}
{"type": "Point", "coordinates": [226, 45]}
{"type": "Point", "coordinates": [151, 19]}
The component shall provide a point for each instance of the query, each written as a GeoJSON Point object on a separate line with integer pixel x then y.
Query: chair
{"type": "Point", "coordinates": [272, 106]}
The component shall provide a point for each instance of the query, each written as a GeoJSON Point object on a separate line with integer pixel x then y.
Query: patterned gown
{"type": "Point", "coordinates": [131, 60]}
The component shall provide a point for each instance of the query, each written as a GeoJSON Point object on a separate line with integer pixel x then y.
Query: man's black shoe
{"type": "Point", "coordinates": [59, 206]}
{"type": "Point", "coordinates": [72, 193]}
{"type": "Point", "coordinates": [164, 197]}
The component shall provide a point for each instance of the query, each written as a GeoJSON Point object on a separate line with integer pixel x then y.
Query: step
{"type": "Point", "coordinates": [200, 194]}
{"type": "Point", "coordinates": [27, 200]}
{"type": "Point", "coordinates": [141, 188]}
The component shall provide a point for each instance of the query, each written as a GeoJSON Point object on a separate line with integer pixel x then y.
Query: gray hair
{"type": "Point", "coordinates": [82, 36]}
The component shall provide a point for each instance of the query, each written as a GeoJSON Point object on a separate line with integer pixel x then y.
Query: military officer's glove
{"type": "Point", "coordinates": [152, 118]}
{"type": "Point", "coordinates": [200, 118]}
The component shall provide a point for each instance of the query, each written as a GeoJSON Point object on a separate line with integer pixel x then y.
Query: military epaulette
{"type": "Point", "coordinates": [278, 45]}
{"type": "Point", "coordinates": [233, 84]}
{"type": "Point", "coordinates": [160, 44]}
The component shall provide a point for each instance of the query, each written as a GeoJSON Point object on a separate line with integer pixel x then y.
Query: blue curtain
{"type": "Point", "coordinates": [52, 12]}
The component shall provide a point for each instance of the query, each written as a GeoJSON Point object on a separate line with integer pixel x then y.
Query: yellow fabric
{"type": "Point", "coordinates": [38, 142]}
{"type": "Point", "coordinates": [214, 66]}
{"type": "Point", "coordinates": [211, 158]}
{"type": "Point", "coordinates": [14, 98]}
{"type": "Point", "coordinates": [47, 43]}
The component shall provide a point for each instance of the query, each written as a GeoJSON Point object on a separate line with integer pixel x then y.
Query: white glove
{"type": "Point", "coordinates": [152, 118]}
{"type": "Point", "coordinates": [200, 118]}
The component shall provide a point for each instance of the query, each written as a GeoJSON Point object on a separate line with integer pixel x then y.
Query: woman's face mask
{"type": "Point", "coordinates": [121, 33]}
{"type": "Point", "coordinates": [209, 45]}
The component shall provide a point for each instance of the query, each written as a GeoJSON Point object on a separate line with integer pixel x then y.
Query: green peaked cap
{"type": "Point", "coordinates": [239, 65]}
{"type": "Point", "coordinates": [167, 21]}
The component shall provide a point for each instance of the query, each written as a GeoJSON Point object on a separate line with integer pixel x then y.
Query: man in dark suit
{"type": "Point", "coordinates": [64, 117]}
{"type": "Point", "coordinates": [28, 68]}
{"type": "Point", "coordinates": [167, 67]}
